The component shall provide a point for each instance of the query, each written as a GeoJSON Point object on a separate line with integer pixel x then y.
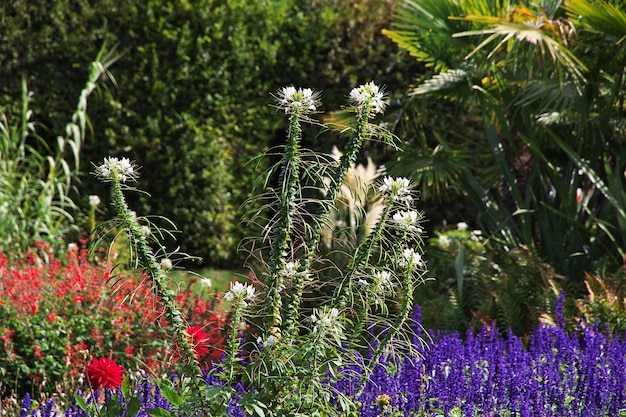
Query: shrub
{"type": "Point", "coordinates": [477, 284]}
{"type": "Point", "coordinates": [188, 104]}
{"type": "Point", "coordinates": [56, 314]}
{"type": "Point", "coordinates": [306, 323]}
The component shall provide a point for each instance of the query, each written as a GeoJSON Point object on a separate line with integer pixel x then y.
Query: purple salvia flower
{"type": "Point", "coordinates": [25, 406]}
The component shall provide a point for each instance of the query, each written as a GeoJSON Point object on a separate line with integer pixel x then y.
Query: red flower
{"type": "Point", "coordinates": [105, 372]}
{"type": "Point", "coordinates": [129, 351]}
{"type": "Point", "coordinates": [200, 341]}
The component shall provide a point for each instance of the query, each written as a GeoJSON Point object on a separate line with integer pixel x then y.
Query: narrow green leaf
{"type": "Point", "coordinates": [159, 412]}
{"type": "Point", "coordinates": [170, 395]}
{"type": "Point", "coordinates": [133, 407]}
{"type": "Point", "coordinates": [126, 387]}
{"type": "Point", "coordinates": [592, 175]}
{"type": "Point", "coordinates": [458, 268]}
{"type": "Point", "coordinates": [80, 402]}
{"type": "Point", "coordinates": [113, 406]}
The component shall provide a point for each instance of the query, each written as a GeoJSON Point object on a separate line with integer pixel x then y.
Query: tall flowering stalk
{"type": "Point", "coordinates": [239, 295]}
{"type": "Point", "coordinates": [408, 259]}
{"type": "Point", "coordinates": [297, 348]}
{"type": "Point", "coordinates": [297, 103]}
{"type": "Point", "coordinates": [298, 356]}
{"type": "Point", "coordinates": [367, 101]}
{"type": "Point", "coordinates": [117, 172]}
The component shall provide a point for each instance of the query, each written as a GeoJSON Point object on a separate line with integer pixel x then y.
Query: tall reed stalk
{"type": "Point", "coordinates": [36, 178]}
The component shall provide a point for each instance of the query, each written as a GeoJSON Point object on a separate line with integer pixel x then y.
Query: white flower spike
{"type": "Point", "coordinates": [410, 259]}
{"type": "Point", "coordinates": [94, 201]}
{"type": "Point", "coordinates": [326, 320]}
{"type": "Point", "coordinates": [382, 282]}
{"type": "Point", "coordinates": [407, 220]}
{"type": "Point", "coordinates": [397, 188]}
{"type": "Point", "coordinates": [123, 169]}
{"type": "Point", "coordinates": [369, 93]}
{"type": "Point", "coordinates": [240, 293]}
{"type": "Point", "coordinates": [301, 100]}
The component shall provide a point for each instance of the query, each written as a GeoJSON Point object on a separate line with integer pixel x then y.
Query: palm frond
{"type": "Point", "coordinates": [537, 34]}
{"type": "Point", "coordinates": [453, 82]}
{"type": "Point", "coordinates": [598, 16]}
{"type": "Point", "coordinates": [424, 29]}
{"type": "Point", "coordinates": [436, 171]}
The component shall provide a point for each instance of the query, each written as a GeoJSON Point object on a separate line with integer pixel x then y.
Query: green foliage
{"type": "Point", "coordinates": [606, 300]}
{"type": "Point", "coordinates": [56, 314]}
{"type": "Point", "coordinates": [293, 348]}
{"type": "Point", "coordinates": [539, 79]}
{"type": "Point", "coordinates": [478, 285]}
{"type": "Point", "coordinates": [36, 178]}
{"type": "Point", "coordinates": [186, 102]}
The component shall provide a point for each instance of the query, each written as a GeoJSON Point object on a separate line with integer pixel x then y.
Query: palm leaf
{"type": "Point", "coordinates": [453, 82]}
{"type": "Point", "coordinates": [598, 16]}
{"type": "Point", "coordinates": [435, 171]}
{"type": "Point", "coordinates": [530, 33]}
{"type": "Point", "coordinates": [424, 29]}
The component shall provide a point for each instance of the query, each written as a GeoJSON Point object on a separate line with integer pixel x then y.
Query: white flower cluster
{"type": "Point", "coordinates": [410, 259]}
{"type": "Point", "coordinates": [166, 264]}
{"type": "Point", "coordinates": [123, 168]}
{"type": "Point", "coordinates": [369, 93]}
{"type": "Point", "coordinates": [408, 220]}
{"type": "Point", "coordinates": [240, 293]}
{"type": "Point", "coordinates": [94, 201]}
{"type": "Point", "coordinates": [326, 321]}
{"type": "Point", "coordinates": [303, 100]}
{"type": "Point", "coordinates": [381, 287]}
{"type": "Point", "coordinates": [398, 188]}
{"type": "Point", "coordinates": [206, 282]}
{"type": "Point", "coordinates": [382, 281]}
{"type": "Point", "coordinates": [271, 341]}
{"type": "Point", "coordinates": [444, 242]}
{"type": "Point", "coordinates": [291, 269]}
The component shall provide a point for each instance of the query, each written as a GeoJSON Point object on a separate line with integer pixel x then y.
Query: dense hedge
{"type": "Point", "coordinates": [192, 102]}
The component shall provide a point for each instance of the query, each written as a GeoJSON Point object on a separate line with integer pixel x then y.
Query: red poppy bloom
{"type": "Point", "coordinates": [200, 341]}
{"type": "Point", "coordinates": [105, 372]}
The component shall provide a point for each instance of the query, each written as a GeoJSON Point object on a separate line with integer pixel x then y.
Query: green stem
{"type": "Point", "coordinates": [346, 161]}
{"type": "Point", "coordinates": [233, 342]}
{"type": "Point", "coordinates": [405, 311]}
{"type": "Point", "coordinates": [289, 181]}
{"type": "Point", "coordinates": [362, 256]}
{"type": "Point", "coordinates": [148, 261]}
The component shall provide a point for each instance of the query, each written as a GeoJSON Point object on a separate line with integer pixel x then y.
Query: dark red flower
{"type": "Point", "coordinates": [200, 341]}
{"type": "Point", "coordinates": [105, 372]}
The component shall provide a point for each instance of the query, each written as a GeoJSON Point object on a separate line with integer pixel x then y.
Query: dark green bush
{"type": "Point", "coordinates": [191, 102]}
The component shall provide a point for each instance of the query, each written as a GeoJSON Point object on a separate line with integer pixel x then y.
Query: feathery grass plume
{"type": "Point", "coordinates": [118, 172]}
